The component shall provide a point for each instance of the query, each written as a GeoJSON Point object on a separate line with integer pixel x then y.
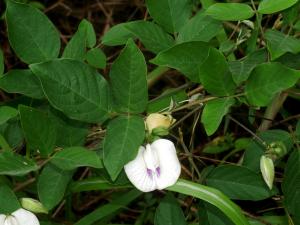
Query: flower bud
{"type": "Point", "coordinates": [33, 205]}
{"type": "Point", "coordinates": [267, 170]}
{"type": "Point", "coordinates": [277, 149]}
{"type": "Point", "coordinates": [156, 120]}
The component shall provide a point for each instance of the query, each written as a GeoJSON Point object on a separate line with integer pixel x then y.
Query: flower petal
{"type": "Point", "coordinates": [25, 217]}
{"type": "Point", "coordinates": [10, 220]}
{"type": "Point", "coordinates": [2, 219]}
{"type": "Point", "coordinates": [136, 171]}
{"type": "Point", "coordinates": [169, 164]}
{"type": "Point", "coordinates": [150, 158]}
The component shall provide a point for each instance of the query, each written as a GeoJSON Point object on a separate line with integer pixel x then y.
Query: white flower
{"type": "Point", "coordinates": [155, 167]}
{"type": "Point", "coordinates": [19, 217]}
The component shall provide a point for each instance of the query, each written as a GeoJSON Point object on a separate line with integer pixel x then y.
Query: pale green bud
{"type": "Point", "coordinates": [277, 149]}
{"type": "Point", "coordinates": [267, 170]}
{"type": "Point", "coordinates": [33, 205]}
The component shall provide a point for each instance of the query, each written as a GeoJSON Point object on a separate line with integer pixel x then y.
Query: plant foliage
{"type": "Point", "coordinates": [73, 110]}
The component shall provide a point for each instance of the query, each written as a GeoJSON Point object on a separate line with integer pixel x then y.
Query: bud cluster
{"type": "Point", "coordinates": [275, 150]}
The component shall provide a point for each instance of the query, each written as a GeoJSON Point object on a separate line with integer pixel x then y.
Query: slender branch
{"type": "Point", "coordinates": [248, 130]}
{"type": "Point", "coordinates": [193, 103]}
{"type": "Point", "coordinates": [24, 184]}
{"type": "Point", "coordinates": [272, 111]}
{"type": "Point", "coordinates": [189, 155]}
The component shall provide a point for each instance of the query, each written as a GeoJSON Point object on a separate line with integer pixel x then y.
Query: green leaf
{"type": "Point", "coordinates": [31, 34]}
{"type": "Point", "coordinates": [117, 35]}
{"type": "Point", "coordinates": [124, 135]}
{"type": "Point", "coordinates": [211, 215]}
{"type": "Point", "coordinates": [128, 80]}
{"type": "Point", "coordinates": [255, 149]}
{"type": "Point", "coordinates": [242, 68]}
{"type": "Point", "coordinates": [238, 182]}
{"type": "Point", "coordinates": [22, 82]}
{"type": "Point", "coordinates": [89, 32]}
{"type": "Point", "coordinates": [270, 6]}
{"type": "Point", "coordinates": [51, 185]}
{"type": "Point", "coordinates": [75, 132]}
{"type": "Point", "coordinates": [297, 25]}
{"type": "Point", "coordinates": [279, 43]}
{"type": "Point", "coordinates": [213, 113]}
{"type": "Point", "coordinates": [1, 62]}
{"type": "Point", "coordinates": [206, 3]}
{"type": "Point", "coordinates": [199, 28]}
{"type": "Point", "coordinates": [7, 113]}
{"type": "Point", "coordinates": [185, 57]}
{"type": "Point", "coordinates": [291, 184]}
{"type": "Point", "coordinates": [171, 15]}
{"type": "Point", "coordinates": [230, 11]}
{"type": "Point", "coordinates": [266, 81]}
{"type": "Point", "coordinates": [39, 130]}
{"type": "Point", "coordinates": [76, 47]}
{"type": "Point", "coordinates": [103, 211]}
{"type": "Point", "coordinates": [13, 134]}
{"type": "Point", "coordinates": [96, 58]}
{"type": "Point", "coordinates": [169, 212]}
{"type": "Point", "coordinates": [73, 157]}
{"type": "Point", "coordinates": [215, 75]}
{"type": "Point", "coordinates": [15, 165]}
{"type": "Point", "coordinates": [227, 46]}
{"type": "Point", "coordinates": [84, 37]}
{"type": "Point", "coordinates": [290, 15]}
{"type": "Point", "coordinates": [211, 196]}
{"type": "Point", "coordinates": [290, 60]}
{"type": "Point", "coordinates": [35, 4]}
{"type": "Point", "coordinates": [74, 88]}
{"type": "Point", "coordinates": [154, 38]}
{"type": "Point", "coordinates": [4, 145]}
{"type": "Point", "coordinates": [9, 201]}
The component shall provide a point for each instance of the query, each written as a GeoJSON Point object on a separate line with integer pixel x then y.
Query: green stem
{"type": "Point", "coordinates": [272, 111]}
{"type": "Point", "coordinates": [258, 19]}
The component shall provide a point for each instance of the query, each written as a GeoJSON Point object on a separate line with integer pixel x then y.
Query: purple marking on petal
{"type": "Point", "coordinates": [158, 171]}
{"type": "Point", "coordinates": [149, 172]}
